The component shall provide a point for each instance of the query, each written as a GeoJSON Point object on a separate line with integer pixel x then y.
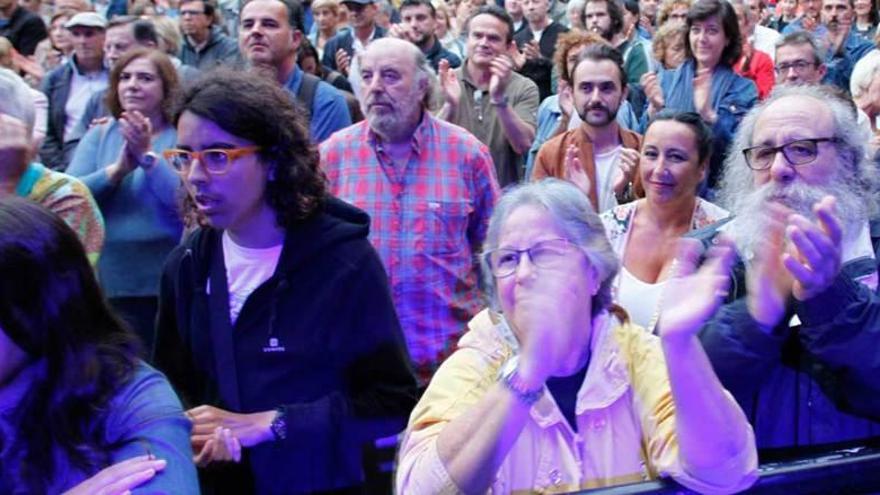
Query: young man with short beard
{"type": "Point", "coordinates": [797, 341]}
{"type": "Point", "coordinates": [599, 157]}
{"type": "Point", "coordinates": [417, 24]}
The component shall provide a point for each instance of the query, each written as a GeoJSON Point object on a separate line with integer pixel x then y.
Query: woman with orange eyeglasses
{"type": "Point", "coordinates": [276, 324]}
{"type": "Point", "coordinates": [135, 190]}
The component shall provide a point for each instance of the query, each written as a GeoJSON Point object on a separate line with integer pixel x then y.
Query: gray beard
{"type": "Point", "coordinates": [749, 225]}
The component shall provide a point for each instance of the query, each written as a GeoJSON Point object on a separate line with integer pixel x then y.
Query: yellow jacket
{"type": "Point", "coordinates": [625, 414]}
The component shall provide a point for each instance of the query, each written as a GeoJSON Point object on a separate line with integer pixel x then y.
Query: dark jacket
{"type": "Point", "coordinates": [25, 31]}
{"type": "Point", "coordinates": [540, 70]}
{"type": "Point", "coordinates": [220, 50]}
{"type": "Point", "coordinates": [320, 339]}
{"type": "Point", "coordinates": [56, 86]}
{"type": "Point", "coordinates": [344, 40]}
{"type": "Point", "coordinates": [437, 53]}
{"type": "Point", "coordinates": [810, 386]}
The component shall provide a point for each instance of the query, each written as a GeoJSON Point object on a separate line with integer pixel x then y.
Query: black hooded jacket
{"type": "Point", "coordinates": [320, 339]}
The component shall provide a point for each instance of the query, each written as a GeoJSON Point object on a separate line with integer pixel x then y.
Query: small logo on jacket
{"type": "Point", "coordinates": [274, 346]}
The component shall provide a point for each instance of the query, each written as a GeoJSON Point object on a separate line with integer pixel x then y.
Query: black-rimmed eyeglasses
{"type": "Point", "coordinates": [800, 152]}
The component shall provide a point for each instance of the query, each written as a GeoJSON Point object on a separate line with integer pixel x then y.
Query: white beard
{"type": "Point", "coordinates": [749, 225]}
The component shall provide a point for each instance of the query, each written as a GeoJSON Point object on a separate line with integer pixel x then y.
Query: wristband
{"type": "Point", "coordinates": [500, 103]}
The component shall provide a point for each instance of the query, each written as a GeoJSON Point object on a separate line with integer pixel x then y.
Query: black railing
{"type": "Point", "coordinates": [845, 472]}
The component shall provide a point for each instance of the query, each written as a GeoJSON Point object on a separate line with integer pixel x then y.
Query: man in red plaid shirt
{"type": "Point", "coordinates": [429, 187]}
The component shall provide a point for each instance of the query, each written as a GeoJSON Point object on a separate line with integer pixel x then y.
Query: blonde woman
{"type": "Point", "coordinates": [326, 14]}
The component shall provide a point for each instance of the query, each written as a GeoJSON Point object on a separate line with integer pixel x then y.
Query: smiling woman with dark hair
{"type": "Point", "coordinates": [276, 323]}
{"type": "Point", "coordinates": [78, 409]}
{"type": "Point", "coordinates": [674, 160]}
{"type": "Point", "coordinates": [706, 83]}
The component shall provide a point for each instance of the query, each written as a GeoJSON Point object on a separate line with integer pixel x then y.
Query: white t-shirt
{"type": "Point", "coordinates": [606, 173]}
{"type": "Point", "coordinates": [640, 299]}
{"type": "Point", "coordinates": [246, 269]}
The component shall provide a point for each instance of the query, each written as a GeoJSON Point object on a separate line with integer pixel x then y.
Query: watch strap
{"type": "Point", "coordinates": [510, 378]}
{"type": "Point", "coordinates": [279, 424]}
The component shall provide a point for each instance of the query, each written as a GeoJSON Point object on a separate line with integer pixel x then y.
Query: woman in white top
{"type": "Point", "coordinates": [674, 160]}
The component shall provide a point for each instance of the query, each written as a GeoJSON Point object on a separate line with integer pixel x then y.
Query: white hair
{"type": "Point", "coordinates": [854, 185]}
{"type": "Point", "coordinates": [17, 100]}
{"type": "Point", "coordinates": [865, 71]}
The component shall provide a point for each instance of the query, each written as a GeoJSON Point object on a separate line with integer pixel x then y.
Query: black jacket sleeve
{"type": "Point", "coordinates": [171, 352]}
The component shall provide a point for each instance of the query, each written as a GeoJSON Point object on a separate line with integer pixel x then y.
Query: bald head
{"type": "Point", "coordinates": [384, 46]}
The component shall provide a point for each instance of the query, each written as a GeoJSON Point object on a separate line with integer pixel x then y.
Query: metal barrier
{"type": "Point", "coordinates": [845, 472]}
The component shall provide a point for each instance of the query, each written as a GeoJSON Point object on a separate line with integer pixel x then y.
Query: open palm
{"type": "Point", "coordinates": [691, 296]}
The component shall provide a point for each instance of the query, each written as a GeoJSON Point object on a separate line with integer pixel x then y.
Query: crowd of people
{"type": "Point", "coordinates": [512, 246]}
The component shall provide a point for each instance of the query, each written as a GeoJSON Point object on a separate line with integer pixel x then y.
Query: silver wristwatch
{"type": "Point", "coordinates": [509, 376]}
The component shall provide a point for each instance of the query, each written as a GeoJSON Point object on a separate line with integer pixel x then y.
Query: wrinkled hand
{"type": "Point", "coordinates": [548, 306]}
{"type": "Point", "coordinates": [248, 429]}
{"type": "Point", "coordinates": [137, 132]}
{"type": "Point", "coordinates": [449, 84]}
{"type": "Point", "coordinates": [651, 86]}
{"type": "Point", "coordinates": [815, 253]}
{"type": "Point", "coordinates": [223, 446]}
{"type": "Point", "coordinates": [702, 94]}
{"type": "Point", "coordinates": [343, 61]}
{"type": "Point", "coordinates": [628, 165]}
{"type": "Point", "coordinates": [768, 283]}
{"type": "Point", "coordinates": [501, 69]}
{"type": "Point", "coordinates": [120, 478]}
{"type": "Point", "coordinates": [691, 296]}
{"type": "Point", "coordinates": [574, 170]}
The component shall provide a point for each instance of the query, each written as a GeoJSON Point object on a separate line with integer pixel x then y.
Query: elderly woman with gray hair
{"type": "Point", "coordinates": [553, 390]}
{"type": "Point", "coordinates": [864, 84]}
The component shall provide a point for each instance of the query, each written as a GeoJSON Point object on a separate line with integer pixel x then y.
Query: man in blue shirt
{"type": "Point", "coordinates": [843, 47]}
{"type": "Point", "coordinates": [269, 36]}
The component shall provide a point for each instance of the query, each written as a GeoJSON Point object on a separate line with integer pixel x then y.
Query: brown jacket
{"type": "Point", "coordinates": [551, 157]}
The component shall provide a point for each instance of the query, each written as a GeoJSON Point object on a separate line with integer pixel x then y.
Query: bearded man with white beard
{"type": "Point", "coordinates": [798, 342]}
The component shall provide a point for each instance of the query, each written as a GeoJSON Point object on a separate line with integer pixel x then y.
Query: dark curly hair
{"type": "Point", "coordinates": [255, 108]}
{"type": "Point", "coordinates": [80, 353]}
